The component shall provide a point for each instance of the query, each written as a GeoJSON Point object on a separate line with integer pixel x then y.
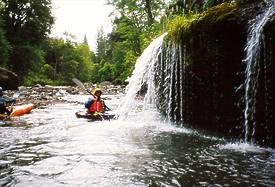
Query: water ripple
{"type": "Point", "coordinates": [66, 151]}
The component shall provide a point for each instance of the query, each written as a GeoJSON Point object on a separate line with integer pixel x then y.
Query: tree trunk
{"type": "Point", "coordinates": [148, 10]}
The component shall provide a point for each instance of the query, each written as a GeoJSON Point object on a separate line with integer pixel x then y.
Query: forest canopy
{"type": "Point", "coordinates": [27, 48]}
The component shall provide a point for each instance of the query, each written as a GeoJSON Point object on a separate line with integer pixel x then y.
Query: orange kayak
{"type": "Point", "coordinates": [21, 109]}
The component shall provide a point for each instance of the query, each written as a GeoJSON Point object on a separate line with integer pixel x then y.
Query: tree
{"type": "Point", "coordinates": [101, 46]}
{"type": "Point", "coordinates": [28, 23]}
{"type": "Point", "coordinates": [133, 26]}
{"type": "Point", "coordinates": [84, 58]}
{"type": "Point", "coordinates": [113, 50]}
{"type": "Point", "coordinates": [85, 41]}
{"type": "Point", "coordinates": [4, 47]}
{"type": "Point", "coordinates": [66, 60]}
{"type": "Point", "coordinates": [143, 12]}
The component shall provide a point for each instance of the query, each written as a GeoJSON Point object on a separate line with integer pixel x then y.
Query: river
{"type": "Point", "coordinates": [51, 147]}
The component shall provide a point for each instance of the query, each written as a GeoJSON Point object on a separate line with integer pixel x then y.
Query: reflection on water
{"type": "Point", "coordinates": [54, 148]}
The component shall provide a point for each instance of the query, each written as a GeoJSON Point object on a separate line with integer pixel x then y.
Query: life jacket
{"type": "Point", "coordinates": [96, 106]}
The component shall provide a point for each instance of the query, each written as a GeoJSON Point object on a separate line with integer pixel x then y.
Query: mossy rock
{"type": "Point", "coordinates": [222, 12]}
{"type": "Point", "coordinates": [181, 28]}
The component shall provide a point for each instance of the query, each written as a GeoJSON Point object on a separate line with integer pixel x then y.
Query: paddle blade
{"type": "Point", "coordinates": [79, 83]}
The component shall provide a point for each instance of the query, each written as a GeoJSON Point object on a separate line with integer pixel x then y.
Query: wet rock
{"type": "Point", "coordinates": [42, 96]}
{"type": "Point", "coordinates": [110, 89]}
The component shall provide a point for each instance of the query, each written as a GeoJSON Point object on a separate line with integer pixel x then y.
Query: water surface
{"type": "Point", "coordinates": [51, 147]}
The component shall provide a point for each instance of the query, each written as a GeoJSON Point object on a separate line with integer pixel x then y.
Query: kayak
{"type": "Point", "coordinates": [21, 109]}
{"type": "Point", "coordinates": [95, 117]}
{"type": "Point", "coordinates": [17, 111]}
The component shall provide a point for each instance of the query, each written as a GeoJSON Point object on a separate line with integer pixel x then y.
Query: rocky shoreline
{"type": "Point", "coordinates": [41, 96]}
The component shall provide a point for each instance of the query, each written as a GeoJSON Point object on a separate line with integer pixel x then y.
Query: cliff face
{"type": "Point", "coordinates": [203, 74]}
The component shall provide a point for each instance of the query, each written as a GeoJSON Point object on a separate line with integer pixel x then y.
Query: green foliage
{"type": "Point", "coordinates": [27, 24]}
{"type": "Point", "coordinates": [48, 71]}
{"type": "Point", "coordinates": [112, 51]}
{"type": "Point", "coordinates": [95, 77]}
{"type": "Point", "coordinates": [180, 26]}
{"type": "Point", "coordinates": [85, 62]}
{"type": "Point", "coordinates": [185, 7]}
{"type": "Point", "coordinates": [39, 59]}
{"type": "Point", "coordinates": [33, 78]}
{"type": "Point", "coordinates": [138, 22]}
{"type": "Point", "coordinates": [28, 21]}
{"type": "Point", "coordinates": [106, 72]}
{"type": "Point", "coordinates": [128, 67]}
{"type": "Point", "coordinates": [26, 48]}
{"type": "Point", "coordinates": [101, 44]}
{"type": "Point", "coordinates": [31, 57]}
{"type": "Point", "coordinates": [143, 12]}
{"type": "Point", "coordinates": [67, 60]}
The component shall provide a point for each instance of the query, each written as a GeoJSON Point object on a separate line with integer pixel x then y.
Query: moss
{"type": "Point", "coordinates": [219, 13]}
{"type": "Point", "coordinates": [180, 27]}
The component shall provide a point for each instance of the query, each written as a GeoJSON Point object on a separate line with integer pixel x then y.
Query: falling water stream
{"type": "Point", "coordinates": [51, 147]}
{"type": "Point", "coordinates": [255, 39]}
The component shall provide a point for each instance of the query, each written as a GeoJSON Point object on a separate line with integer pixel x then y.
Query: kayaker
{"type": "Point", "coordinates": [4, 103]}
{"type": "Point", "coordinates": [96, 105]}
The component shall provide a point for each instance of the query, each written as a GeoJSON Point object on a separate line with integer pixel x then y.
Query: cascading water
{"type": "Point", "coordinates": [160, 69]}
{"type": "Point", "coordinates": [198, 89]}
{"type": "Point", "coordinates": [255, 41]}
{"type": "Point", "coordinates": [169, 83]}
{"type": "Point", "coordinates": [143, 74]}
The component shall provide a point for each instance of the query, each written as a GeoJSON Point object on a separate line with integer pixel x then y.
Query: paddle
{"type": "Point", "coordinates": [81, 85]}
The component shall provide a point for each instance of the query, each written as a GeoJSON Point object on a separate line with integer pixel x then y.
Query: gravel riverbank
{"type": "Point", "coordinates": [44, 95]}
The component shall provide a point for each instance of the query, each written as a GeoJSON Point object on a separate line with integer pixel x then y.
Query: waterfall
{"type": "Point", "coordinates": [143, 74]}
{"type": "Point", "coordinates": [255, 40]}
{"type": "Point", "coordinates": [169, 81]}
{"type": "Point", "coordinates": [193, 82]}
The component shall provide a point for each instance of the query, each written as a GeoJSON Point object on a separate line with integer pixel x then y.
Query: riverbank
{"type": "Point", "coordinates": [42, 96]}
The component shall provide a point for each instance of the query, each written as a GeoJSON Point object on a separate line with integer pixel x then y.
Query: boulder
{"type": "Point", "coordinates": [8, 80]}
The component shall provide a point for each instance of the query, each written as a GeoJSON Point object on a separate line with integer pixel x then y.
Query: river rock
{"type": "Point", "coordinates": [8, 79]}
